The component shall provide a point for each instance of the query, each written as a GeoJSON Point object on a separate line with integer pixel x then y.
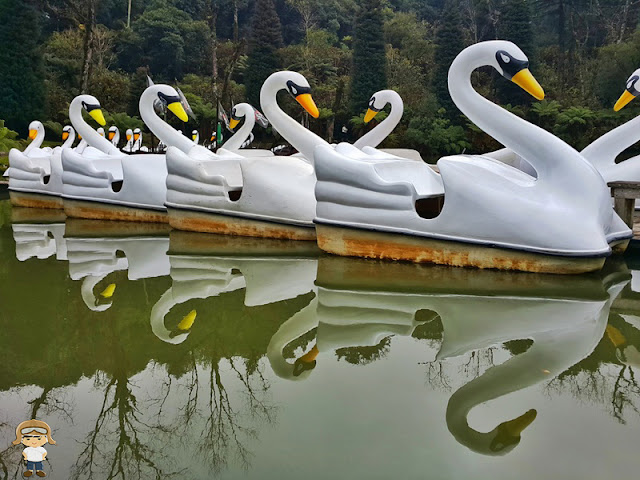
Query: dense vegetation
{"type": "Point", "coordinates": [581, 51]}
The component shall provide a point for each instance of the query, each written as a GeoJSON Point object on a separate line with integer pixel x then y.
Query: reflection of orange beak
{"type": "Point", "coordinates": [136, 137]}
{"type": "Point", "coordinates": [33, 134]}
{"type": "Point", "coordinates": [306, 100]}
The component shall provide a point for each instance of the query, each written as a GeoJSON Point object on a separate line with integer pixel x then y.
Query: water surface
{"type": "Point", "coordinates": [221, 357]}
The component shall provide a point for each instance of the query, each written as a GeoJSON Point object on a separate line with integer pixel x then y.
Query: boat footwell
{"type": "Point", "coordinates": [35, 200]}
{"type": "Point", "coordinates": [208, 222]}
{"type": "Point", "coordinates": [352, 242]}
{"type": "Point", "coordinates": [109, 211]}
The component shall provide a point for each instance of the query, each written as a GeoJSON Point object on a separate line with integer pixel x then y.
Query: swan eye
{"type": "Point", "coordinates": [297, 90]}
{"type": "Point", "coordinates": [510, 65]}
{"type": "Point", "coordinates": [631, 85]}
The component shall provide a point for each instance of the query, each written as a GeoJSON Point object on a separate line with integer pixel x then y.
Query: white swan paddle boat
{"type": "Point", "coordinates": [204, 266]}
{"type": "Point", "coordinates": [479, 212]}
{"type": "Point", "coordinates": [113, 185]}
{"type": "Point", "coordinates": [376, 135]}
{"type": "Point", "coordinates": [114, 135]}
{"type": "Point", "coordinates": [602, 153]}
{"type": "Point", "coordinates": [195, 136]}
{"type": "Point", "coordinates": [235, 195]}
{"type": "Point", "coordinates": [35, 175]}
{"type": "Point", "coordinates": [128, 146]}
{"type": "Point", "coordinates": [240, 138]}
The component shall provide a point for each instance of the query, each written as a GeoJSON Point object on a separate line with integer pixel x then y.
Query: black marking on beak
{"type": "Point", "coordinates": [168, 99]}
{"type": "Point", "coordinates": [297, 90]}
{"type": "Point", "coordinates": [89, 107]}
{"type": "Point", "coordinates": [631, 85]}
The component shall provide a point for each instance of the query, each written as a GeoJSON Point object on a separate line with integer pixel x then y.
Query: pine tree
{"type": "Point", "coordinates": [22, 73]}
{"type": "Point", "coordinates": [265, 39]}
{"type": "Point", "coordinates": [515, 25]}
{"type": "Point", "coordinates": [369, 60]}
{"type": "Point", "coordinates": [448, 45]}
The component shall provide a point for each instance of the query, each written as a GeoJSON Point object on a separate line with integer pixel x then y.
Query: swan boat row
{"type": "Point", "coordinates": [552, 213]}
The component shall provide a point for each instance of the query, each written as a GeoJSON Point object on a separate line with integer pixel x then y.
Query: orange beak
{"type": "Point", "coordinates": [306, 100]}
{"type": "Point", "coordinates": [33, 134]}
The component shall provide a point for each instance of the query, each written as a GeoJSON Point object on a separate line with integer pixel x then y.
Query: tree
{"type": "Point", "coordinates": [21, 76]}
{"type": "Point", "coordinates": [266, 38]}
{"type": "Point", "coordinates": [448, 45]}
{"type": "Point", "coordinates": [369, 60]}
{"type": "Point", "coordinates": [515, 25]}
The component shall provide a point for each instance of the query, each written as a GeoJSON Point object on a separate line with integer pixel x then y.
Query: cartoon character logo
{"type": "Point", "coordinates": [33, 434]}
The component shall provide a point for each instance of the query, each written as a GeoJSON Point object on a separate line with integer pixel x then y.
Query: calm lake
{"type": "Point", "coordinates": [157, 354]}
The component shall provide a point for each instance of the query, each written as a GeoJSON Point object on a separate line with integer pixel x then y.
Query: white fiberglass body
{"type": "Point", "coordinates": [477, 201]}
{"type": "Point", "coordinates": [38, 171]}
{"type": "Point", "coordinates": [114, 178]}
{"type": "Point", "coordinates": [275, 191]}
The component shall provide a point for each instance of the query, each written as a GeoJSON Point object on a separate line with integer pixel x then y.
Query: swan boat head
{"type": "Point", "coordinates": [195, 136]}
{"type": "Point", "coordinates": [67, 131]}
{"type": "Point", "coordinates": [632, 91]}
{"type": "Point", "coordinates": [137, 133]}
{"type": "Point", "coordinates": [129, 134]}
{"type": "Point", "coordinates": [114, 135]}
{"type": "Point", "coordinates": [100, 131]}
{"type": "Point", "coordinates": [36, 129]}
{"type": "Point", "coordinates": [379, 100]}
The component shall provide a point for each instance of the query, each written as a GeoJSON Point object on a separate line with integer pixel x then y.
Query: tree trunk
{"type": "Point", "coordinates": [88, 45]}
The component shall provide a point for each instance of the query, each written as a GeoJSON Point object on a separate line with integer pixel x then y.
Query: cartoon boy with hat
{"type": "Point", "coordinates": [33, 434]}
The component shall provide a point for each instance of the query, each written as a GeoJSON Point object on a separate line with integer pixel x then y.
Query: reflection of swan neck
{"type": "Point", "coordinates": [158, 313]}
{"type": "Point", "coordinates": [89, 297]}
{"type": "Point", "coordinates": [242, 110]}
{"type": "Point", "coordinates": [300, 137]}
{"type": "Point", "coordinates": [384, 128]}
{"type": "Point", "coordinates": [298, 325]}
{"type": "Point", "coordinates": [88, 134]}
{"type": "Point", "coordinates": [161, 129]}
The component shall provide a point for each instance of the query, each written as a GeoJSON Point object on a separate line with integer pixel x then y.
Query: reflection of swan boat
{"type": "Point", "coordinates": [204, 266]}
{"type": "Point", "coordinates": [361, 302]}
{"type": "Point", "coordinates": [490, 215]}
{"type": "Point", "coordinates": [35, 175]}
{"type": "Point", "coordinates": [97, 249]}
{"type": "Point", "coordinates": [38, 233]}
{"type": "Point", "coordinates": [110, 184]}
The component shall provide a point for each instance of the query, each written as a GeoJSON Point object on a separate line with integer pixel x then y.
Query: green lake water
{"type": "Point", "coordinates": [235, 358]}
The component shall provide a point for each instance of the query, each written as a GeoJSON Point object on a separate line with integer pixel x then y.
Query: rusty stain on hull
{"type": "Point", "coordinates": [37, 215]}
{"type": "Point", "coordinates": [227, 225]}
{"type": "Point", "coordinates": [106, 211]}
{"type": "Point", "coordinates": [387, 246]}
{"type": "Point", "coordinates": [35, 200]}
{"type": "Point", "coordinates": [86, 228]}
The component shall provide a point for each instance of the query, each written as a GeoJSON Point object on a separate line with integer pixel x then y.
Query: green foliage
{"type": "Point", "coordinates": [449, 44]}
{"type": "Point", "coordinates": [573, 124]}
{"type": "Point", "coordinates": [124, 122]}
{"type": "Point", "coordinates": [436, 135]}
{"type": "Point", "coordinates": [8, 138]}
{"type": "Point", "coordinates": [21, 72]}
{"type": "Point", "coordinates": [369, 61]}
{"type": "Point", "coordinates": [515, 25]}
{"type": "Point", "coordinates": [266, 38]}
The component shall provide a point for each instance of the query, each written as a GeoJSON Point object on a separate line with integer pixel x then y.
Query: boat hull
{"type": "Point", "coordinates": [35, 200]}
{"type": "Point", "coordinates": [391, 246]}
{"type": "Point", "coordinates": [109, 211]}
{"type": "Point", "coordinates": [209, 222]}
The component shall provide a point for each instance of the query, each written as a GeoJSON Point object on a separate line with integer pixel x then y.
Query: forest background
{"type": "Point", "coordinates": [581, 51]}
